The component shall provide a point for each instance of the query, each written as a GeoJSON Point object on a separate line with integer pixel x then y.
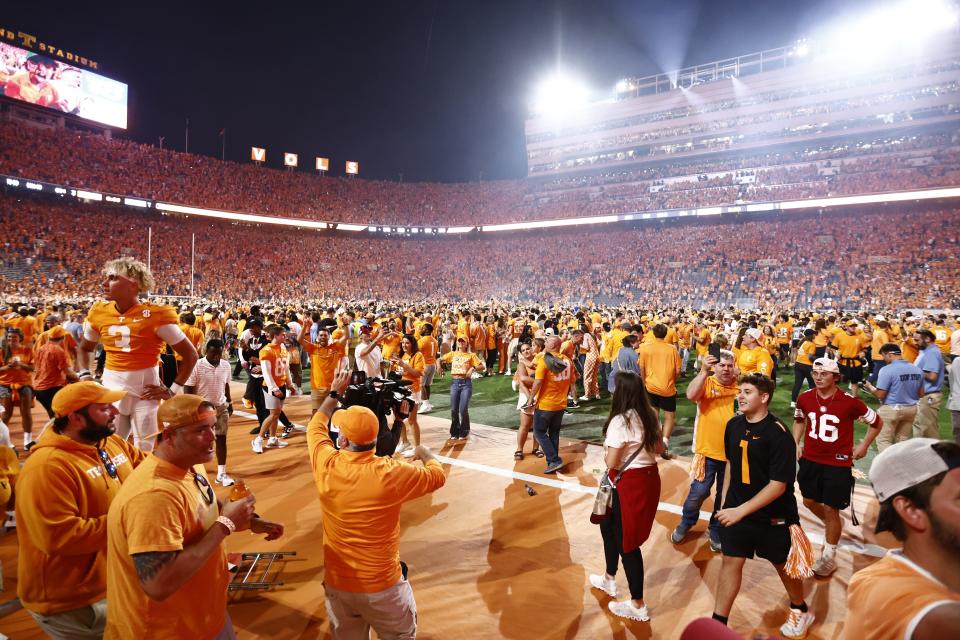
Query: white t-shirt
{"type": "Point", "coordinates": [370, 364]}
{"type": "Point", "coordinates": [626, 431]}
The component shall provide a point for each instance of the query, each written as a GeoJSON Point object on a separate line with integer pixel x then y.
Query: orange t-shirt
{"type": "Point", "coordinates": [323, 363]}
{"type": "Point", "coordinates": [17, 378]}
{"type": "Point", "coordinates": [660, 363]}
{"type": "Point", "coordinates": [427, 345]}
{"type": "Point", "coordinates": [553, 389]}
{"type": "Point", "coordinates": [278, 364]}
{"type": "Point", "coordinates": [416, 362]}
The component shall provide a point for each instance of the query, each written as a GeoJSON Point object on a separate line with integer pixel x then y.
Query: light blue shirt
{"type": "Point", "coordinates": [902, 382]}
{"type": "Point", "coordinates": [931, 360]}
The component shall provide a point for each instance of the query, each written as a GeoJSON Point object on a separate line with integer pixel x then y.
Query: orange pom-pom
{"type": "Point", "coordinates": [698, 468]}
{"type": "Point", "coordinates": [800, 559]}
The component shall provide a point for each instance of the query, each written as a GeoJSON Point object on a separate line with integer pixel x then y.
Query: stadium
{"type": "Point", "coordinates": [729, 205]}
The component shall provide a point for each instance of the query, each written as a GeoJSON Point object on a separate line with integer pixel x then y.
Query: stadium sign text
{"type": "Point", "coordinates": [32, 42]}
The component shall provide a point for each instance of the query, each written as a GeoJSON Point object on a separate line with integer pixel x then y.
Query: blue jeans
{"type": "Point", "coordinates": [546, 429]}
{"type": "Point", "coordinates": [461, 389]}
{"type": "Point", "coordinates": [699, 491]}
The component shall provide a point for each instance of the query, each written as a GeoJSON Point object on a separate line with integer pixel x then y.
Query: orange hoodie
{"type": "Point", "coordinates": [63, 494]}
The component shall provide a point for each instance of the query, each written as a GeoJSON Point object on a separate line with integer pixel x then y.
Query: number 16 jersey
{"type": "Point", "coordinates": [828, 433]}
{"type": "Point", "coordinates": [133, 340]}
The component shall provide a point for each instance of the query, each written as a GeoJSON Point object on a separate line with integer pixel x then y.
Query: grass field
{"type": "Point", "coordinates": [494, 403]}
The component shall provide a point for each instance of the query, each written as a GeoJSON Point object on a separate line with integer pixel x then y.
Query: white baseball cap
{"type": "Point", "coordinates": [826, 364]}
{"type": "Point", "coordinates": [754, 333]}
{"type": "Point", "coordinates": [879, 317]}
{"type": "Point", "coordinates": [907, 464]}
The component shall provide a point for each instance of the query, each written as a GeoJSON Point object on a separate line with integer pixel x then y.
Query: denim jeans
{"type": "Point", "coordinates": [699, 491]}
{"type": "Point", "coordinates": [546, 429]}
{"type": "Point", "coordinates": [461, 389]}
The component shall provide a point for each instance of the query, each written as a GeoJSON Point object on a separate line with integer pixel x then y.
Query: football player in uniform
{"type": "Point", "coordinates": [823, 423]}
{"type": "Point", "coordinates": [133, 334]}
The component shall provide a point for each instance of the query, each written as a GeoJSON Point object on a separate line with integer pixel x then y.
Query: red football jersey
{"type": "Point", "coordinates": [828, 438]}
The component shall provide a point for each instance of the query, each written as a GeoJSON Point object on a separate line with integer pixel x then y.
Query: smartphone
{"type": "Point", "coordinates": [714, 350]}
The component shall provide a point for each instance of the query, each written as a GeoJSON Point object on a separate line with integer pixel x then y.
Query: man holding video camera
{"type": "Point", "coordinates": [361, 495]}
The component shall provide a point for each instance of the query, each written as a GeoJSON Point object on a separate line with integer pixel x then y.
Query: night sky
{"type": "Point", "coordinates": [428, 89]}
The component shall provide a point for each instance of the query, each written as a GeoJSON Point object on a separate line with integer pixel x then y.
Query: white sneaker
{"type": "Point", "coordinates": [797, 625]}
{"type": "Point", "coordinates": [609, 587]}
{"type": "Point", "coordinates": [476, 375]}
{"type": "Point", "coordinates": [508, 373]}
{"type": "Point", "coordinates": [277, 443]}
{"type": "Point", "coordinates": [408, 452]}
{"type": "Point", "coordinates": [824, 566]}
{"type": "Point", "coordinates": [225, 480]}
{"type": "Point", "coordinates": [402, 447]}
{"type": "Point", "coordinates": [585, 398]}
{"type": "Point", "coordinates": [626, 609]}
{"type": "Point", "coordinates": [11, 522]}
{"type": "Point", "coordinates": [426, 407]}
{"type": "Point", "coordinates": [257, 445]}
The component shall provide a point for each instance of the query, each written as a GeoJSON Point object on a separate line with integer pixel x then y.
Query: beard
{"type": "Point", "coordinates": [95, 433]}
{"type": "Point", "coordinates": [946, 535]}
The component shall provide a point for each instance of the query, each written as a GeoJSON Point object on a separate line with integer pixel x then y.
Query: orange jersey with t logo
{"type": "Point", "coordinates": [131, 339]}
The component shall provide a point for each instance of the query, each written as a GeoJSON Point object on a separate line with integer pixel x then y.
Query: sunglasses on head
{"type": "Point", "coordinates": [107, 463]}
{"type": "Point", "coordinates": [205, 489]}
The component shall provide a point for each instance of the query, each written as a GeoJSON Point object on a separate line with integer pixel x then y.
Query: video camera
{"type": "Point", "coordinates": [383, 396]}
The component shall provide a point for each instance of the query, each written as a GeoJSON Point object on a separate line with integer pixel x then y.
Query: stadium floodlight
{"type": "Point", "coordinates": [802, 49]}
{"type": "Point", "coordinates": [890, 30]}
{"type": "Point", "coordinates": [559, 95]}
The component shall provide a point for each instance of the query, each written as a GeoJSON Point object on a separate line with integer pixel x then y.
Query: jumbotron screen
{"type": "Point", "coordinates": [38, 79]}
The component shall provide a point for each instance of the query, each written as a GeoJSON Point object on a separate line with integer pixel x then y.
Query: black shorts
{"type": "Point", "coordinates": [825, 483]}
{"type": "Point", "coordinates": [667, 403]}
{"type": "Point", "coordinates": [852, 372]}
{"type": "Point", "coordinates": [748, 537]}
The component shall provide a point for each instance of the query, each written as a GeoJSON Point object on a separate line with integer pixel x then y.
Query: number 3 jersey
{"type": "Point", "coordinates": [759, 452]}
{"type": "Point", "coordinates": [828, 436]}
{"type": "Point", "coordinates": [133, 340]}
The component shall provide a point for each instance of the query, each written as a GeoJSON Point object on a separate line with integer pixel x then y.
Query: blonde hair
{"type": "Point", "coordinates": [133, 270]}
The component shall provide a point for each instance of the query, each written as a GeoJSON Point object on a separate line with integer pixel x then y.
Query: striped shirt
{"type": "Point", "coordinates": [209, 381]}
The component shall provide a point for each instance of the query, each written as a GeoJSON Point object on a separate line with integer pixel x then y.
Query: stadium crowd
{"type": "Point", "coordinates": [825, 262]}
{"type": "Point", "coordinates": [118, 166]}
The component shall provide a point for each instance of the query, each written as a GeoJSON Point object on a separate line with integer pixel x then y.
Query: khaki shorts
{"type": "Point", "coordinates": [76, 624]}
{"type": "Point", "coordinates": [317, 396]}
{"type": "Point", "coordinates": [223, 420]}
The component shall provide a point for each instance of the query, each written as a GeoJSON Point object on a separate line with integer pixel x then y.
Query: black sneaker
{"type": "Point", "coordinates": [554, 467]}
{"type": "Point", "coordinates": [287, 432]}
{"type": "Point", "coordinates": [255, 430]}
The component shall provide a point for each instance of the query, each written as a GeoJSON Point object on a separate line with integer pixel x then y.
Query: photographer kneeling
{"type": "Point", "coordinates": [360, 497]}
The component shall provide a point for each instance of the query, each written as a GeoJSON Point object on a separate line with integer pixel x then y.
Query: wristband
{"type": "Point", "coordinates": [228, 523]}
{"type": "Point", "coordinates": [333, 394]}
{"type": "Point", "coordinates": [175, 388]}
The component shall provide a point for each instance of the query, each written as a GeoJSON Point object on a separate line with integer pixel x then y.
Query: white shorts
{"type": "Point", "coordinates": [271, 402]}
{"type": "Point", "coordinates": [133, 382]}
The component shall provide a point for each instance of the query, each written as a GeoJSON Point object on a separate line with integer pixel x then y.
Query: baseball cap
{"type": "Point", "coordinates": [358, 424]}
{"type": "Point", "coordinates": [879, 317]}
{"type": "Point", "coordinates": [57, 332]}
{"type": "Point", "coordinates": [255, 322]}
{"type": "Point", "coordinates": [904, 465]}
{"type": "Point", "coordinates": [181, 410]}
{"type": "Point", "coordinates": [754, 333]}
{"type": "Point", "coordinates": [826, 364]}
{"type": "Point", "coordinates": [74, 397]}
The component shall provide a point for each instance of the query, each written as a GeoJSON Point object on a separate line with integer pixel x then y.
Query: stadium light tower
{"type": "Point", "coordinates": [559, 95]}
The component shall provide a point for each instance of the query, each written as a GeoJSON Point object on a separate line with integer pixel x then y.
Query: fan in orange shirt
{"type": "Point", "coordinates": [659, 368]}
{"type": "Point", "coordinates": [410, 365]}
{"type": "Point", "coordinates": [133, 334]}
{"type": "Point", "coordinates": [430, 348]}
{"type": "Point", "coordinates": [16, 382]}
